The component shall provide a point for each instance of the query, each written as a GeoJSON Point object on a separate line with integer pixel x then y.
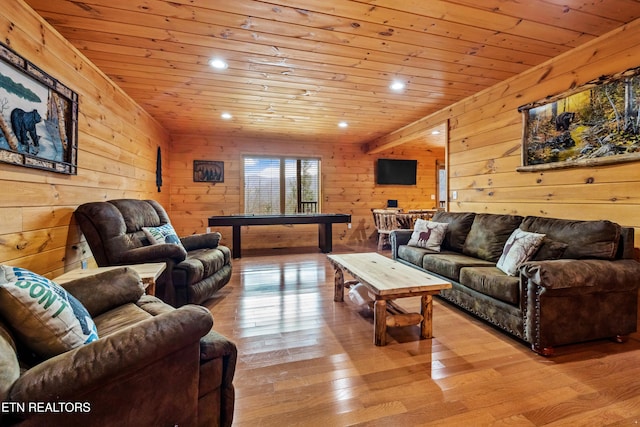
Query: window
{"type": "Point", "coordinates": [274, 185]}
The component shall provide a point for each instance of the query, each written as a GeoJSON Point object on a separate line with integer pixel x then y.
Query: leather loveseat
{"type": "Point", "coordinates": [197, 265]}
{"type": "Point", "coordinates": [152, 365]}
{"type": "Point", "coordinates": [581, 283]}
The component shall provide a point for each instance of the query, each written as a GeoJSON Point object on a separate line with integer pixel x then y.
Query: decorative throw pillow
{"type": "Point", "coordinates": [428, 234]}
{"type": "Point", "coordinates": [549, 249]}
{"type": "Point", "coordinates": [162, 234]}
{"type": "Point", "coordinates": [47, 318]}
{"type": "Point", "coordinates": [520, 246]}
{"type": "Point", "coordinates": [459, 226]}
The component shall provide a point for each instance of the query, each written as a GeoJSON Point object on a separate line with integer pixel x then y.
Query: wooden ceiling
{"type": "Point", "coordinates": [296, 68]}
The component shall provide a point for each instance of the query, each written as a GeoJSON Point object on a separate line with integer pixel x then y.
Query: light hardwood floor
{"type": "Point", "coordinates": [305, 360]}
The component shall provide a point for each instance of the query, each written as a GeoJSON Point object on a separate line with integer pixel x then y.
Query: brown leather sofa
{"type": "Point", "coordinates": [114, 231]}
{"type": "Point", "coordinates": [582, 283]}
{"type": "Point", "coordinates": [153, 365]}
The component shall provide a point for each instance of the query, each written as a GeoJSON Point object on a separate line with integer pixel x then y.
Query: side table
{"type": "Point", "coordinates": [149, 273]}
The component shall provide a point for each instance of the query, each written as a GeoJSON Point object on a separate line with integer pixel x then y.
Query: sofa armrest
{"type": "Point", "coordinates": [218, 358]}
{"type": "Point", "coordinates": [570, 301]}
{"type": "Point", "coordinates": [83, 370]}
{"type": "Point", "coordinates": [215, 345]}
{"type": "Point", "coordinates": [397, 238]}
{"type": "Point", "coordinates": [589, 274]}
{"type": "Point", "coordinates": [200, 241]}
{"type": "Point", "coordinates": [153, 253]}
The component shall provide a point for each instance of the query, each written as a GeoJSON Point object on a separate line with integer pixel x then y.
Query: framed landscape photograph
{"type": "Point", "coordinates": [38, 117]}
{"type": "Point", "coordinates": [208, 171]}
{"type": "Point", "coordinates": [595, 124]}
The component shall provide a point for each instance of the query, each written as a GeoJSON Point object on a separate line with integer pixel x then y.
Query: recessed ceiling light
{"type": "Point", "coordinates": [343, 124]}
{"type": "Point", "coordinates": [397, 85]}
{"type": "Point", "coordinates": [218, 63]}
{"type": "Point", "coordinates": [226, 116]}
{"type": "Point", "coordinates": [435, 132]}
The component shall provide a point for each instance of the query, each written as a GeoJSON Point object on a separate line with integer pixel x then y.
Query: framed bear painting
{"type": "Point", "coordinates": [38, 117]}
{"type": "Point", "coordinates": [595, 124]}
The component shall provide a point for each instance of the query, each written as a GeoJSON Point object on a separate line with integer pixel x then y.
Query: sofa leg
{"type": "Point", "coordinates": [544, 351]}
{"type": "Point", "coordinates": [621, 339]}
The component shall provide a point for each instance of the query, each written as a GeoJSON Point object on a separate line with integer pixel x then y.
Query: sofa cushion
{"type": "Point", "coordinates": [519, 248]}
{"type": "Point", "coordinates": [118, 286]}
{"type": "Point", "coordinates": [412, 254]}
{"type": "Point", "coordinates": [585, 239]}
{"type": "Point", "coordinates": [119, 318]}
{"type": "Point", "coordinates": [46, 317]}
{"type": "Point", "coordinates": [428, 234]}
{"type": "Point", "coordinates": [459, 226]}
{"type": "Point", "coordinates": [492, 282]}
{"type": "Point", "coordinates": [137, 214]}
{"type": "Point", "coordinates": [488, 235]}
{"type": "Point", "coordinates": [449, 264]}
{"type": "Point", "coordinates": [549, 249]}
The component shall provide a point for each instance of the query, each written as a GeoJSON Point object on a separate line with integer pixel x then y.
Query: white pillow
{"type": "Point", "coordinates": [44, 315]}
{"type": "Point", "coordinates": [428, 234]}
{"type": "Point", "coordinates": [162, 234]}
{"type": "Point", "coordinates": [520, 247]}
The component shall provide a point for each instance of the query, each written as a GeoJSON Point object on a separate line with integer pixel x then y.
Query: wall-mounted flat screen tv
{"type": "Point", "coordinates": [396, 172]}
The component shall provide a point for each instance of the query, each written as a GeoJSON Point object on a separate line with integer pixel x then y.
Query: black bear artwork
{"type": "Point", "coordinates": [23, 125]}
{"type": "Point", "coordinates": [564, 120]}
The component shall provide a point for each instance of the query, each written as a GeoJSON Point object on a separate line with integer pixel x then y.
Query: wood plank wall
{"type": "Point", "coordinates": [485, 143]}
{"type": "Point", "coordinates": [117, 154]}
{"type": "Point", "coordinates": [348, 186]}
{"type": "Point", "coordinates": [118, 143]}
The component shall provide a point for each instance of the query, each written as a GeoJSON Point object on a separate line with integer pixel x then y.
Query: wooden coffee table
{"type": "Point", "coordinates": [387, 279]}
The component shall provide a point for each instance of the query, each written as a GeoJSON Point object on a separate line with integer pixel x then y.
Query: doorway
{"type": "Point", "coordinates": [441, 182]}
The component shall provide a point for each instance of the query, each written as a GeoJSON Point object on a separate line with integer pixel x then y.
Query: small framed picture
{"type": "Point", "coordinates": [208, 171]}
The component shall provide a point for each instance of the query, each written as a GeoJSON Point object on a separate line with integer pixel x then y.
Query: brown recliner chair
{"type": "Point", "coordinates": [153, 365]}
{"type": "Point", "coordinates": [195, 270]}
